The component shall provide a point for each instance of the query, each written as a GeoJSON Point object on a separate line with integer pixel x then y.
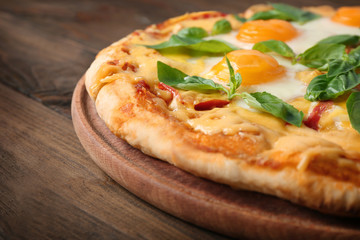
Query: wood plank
{"type": "Point", "coordinates": [50, 188]}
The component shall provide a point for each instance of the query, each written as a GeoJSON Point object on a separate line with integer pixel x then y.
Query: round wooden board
{"type": "Point", "coordinates": [240, 214]}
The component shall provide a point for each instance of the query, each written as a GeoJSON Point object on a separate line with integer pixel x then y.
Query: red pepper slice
{"type": "Point", "coordinates": [208, 105]}
{"type": "Point", "coordinates": [174, 92]}
{"type": "Point", "coordinates": [313, 120]}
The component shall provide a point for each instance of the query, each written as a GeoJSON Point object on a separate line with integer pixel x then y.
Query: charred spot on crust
{"type": "Point", "coordinates": [113, 62]}
{"type": "Point", "coordinates": [142, 86]}
{"type": "Point", "coordinates": [126, 50]}
{"type": "Point", "coordinates": [129, 66]}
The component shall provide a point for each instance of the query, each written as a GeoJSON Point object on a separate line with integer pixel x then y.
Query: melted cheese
{"type": "Point", "coordinates": [236, 118]}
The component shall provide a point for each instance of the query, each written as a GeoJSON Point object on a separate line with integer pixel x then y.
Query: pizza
{"type": "Point", "coordinates": [266, 100]}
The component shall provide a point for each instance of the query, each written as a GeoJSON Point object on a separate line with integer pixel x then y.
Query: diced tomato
{"type": "Point", "coordinates": [313, 120]}
{"type": "Point", "coordinates": [174, 92]}
{"type": "Point", "coordinates": [142, 86]}
{"type": "Point", "coordinates": [208, 105]}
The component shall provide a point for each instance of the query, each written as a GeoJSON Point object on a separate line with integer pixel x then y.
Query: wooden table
{"type": "Point", "coordinates": [49, 186]}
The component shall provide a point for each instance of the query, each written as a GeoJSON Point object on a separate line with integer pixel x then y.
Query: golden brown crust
{"type": "Point", "coordinates": [295, 164]}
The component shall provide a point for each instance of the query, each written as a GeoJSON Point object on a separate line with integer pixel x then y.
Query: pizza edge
{"type": "Point", "coordinates": [125, 104]}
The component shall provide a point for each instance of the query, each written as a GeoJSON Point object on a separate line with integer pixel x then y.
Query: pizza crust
{"type": "Point", "coordinates": [290, 164]}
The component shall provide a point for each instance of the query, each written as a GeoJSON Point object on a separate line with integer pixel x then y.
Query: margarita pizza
{"type": "Point", "coordinates": [267, 100]}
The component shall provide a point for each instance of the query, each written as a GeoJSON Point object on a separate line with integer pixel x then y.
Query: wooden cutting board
{"type": "Point", "coordinates": [217, 207]}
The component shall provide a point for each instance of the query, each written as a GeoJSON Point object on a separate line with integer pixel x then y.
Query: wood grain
{"type": "Point", "coordinates": [204, 203]}
{"type": "Point", "coordinates": [50, 188]}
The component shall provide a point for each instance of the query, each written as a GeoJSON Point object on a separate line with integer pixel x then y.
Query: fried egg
{"type": "Point", "coordinates": [268, 71]}
{"type": "Point", "coordinates": [348, 15]}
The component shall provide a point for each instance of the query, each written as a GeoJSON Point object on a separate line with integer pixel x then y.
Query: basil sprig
{"type": "Point", "coordinates": [267, 102]}
{"type": "Point", "coordinates": [323, 87]}
{"type": "Point", "coordinates": [192, 38]}
{"type": "Point", "coordinates": [329, 48]}
{"type": "Point", "coordinates": [275, 46]}
{"type": "Point", "coordinates": [318, 55]}
{"type": "Point", "coordinates": [285, 12]}
{"type": "Point", "coordinates": [234, 81]}
{"type": "Point", "coordinates": [176, 78]}
{"type": "Point", "coordinates": [341, 77]}
{"type": "Point", "coordinates": [262, 101]}
{"type": "Point", "coordinates": [220, 27]}
{"type": "Point", "coordinates": [353, 108]}
{"type": "Point", "coordinates": [192, 32]}
{"type": "Point", "coordinates": [346, 39]}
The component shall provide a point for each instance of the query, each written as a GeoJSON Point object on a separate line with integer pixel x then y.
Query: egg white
{"type": "Point", "coordinates": [286, 87]}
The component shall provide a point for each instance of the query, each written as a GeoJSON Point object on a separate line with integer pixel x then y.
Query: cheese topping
{"type": "Point", "coordinates": [238, 118]}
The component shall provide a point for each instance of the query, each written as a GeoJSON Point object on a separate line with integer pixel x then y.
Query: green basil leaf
{"type": "Point", "coordinates": [275, 46]}
{"type": "Point", "coordinates": [267, 102]}
{"type": "Point", "coordinates": [234, 81]}
{"type": "Point", "coordinates": [176, 41]}
{"type": "Point", "coordinates": [271, 14]}
{"type": "Point", "coordinates": [221, 27]}
{"type": "Point", "coordinates": [318, 55]}
{"type": "Point", "coordinates": [169, 75]}
{"type": "Point", "coordinates": [212, 46]}
{"type": "Point", "coordinates": [354, 57]}
{"type": "Point", "coordinates": [295, 14]}
{"type": "Point", "coordinates": [176, 78]}
{"type": "Point", "coordinates": [346, 39]}
{"type": "Point", "coordinates": [192, 32]}
{"type": "Point", "coordinates": [240, 19]}
{"type": "Point", "coordinates": [323, 87]}
{"type": "Point", "coordinates": [337, 67]}
{"type": "Point", "coordinates": [353, 109]}
{"type": "Point", "coordinates": [200, 84]}
{"type": "Point", "coordinates": [197, 44]}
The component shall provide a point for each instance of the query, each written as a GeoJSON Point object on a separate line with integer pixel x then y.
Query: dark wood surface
{"type": "Point", "coordinates": [49, 186]}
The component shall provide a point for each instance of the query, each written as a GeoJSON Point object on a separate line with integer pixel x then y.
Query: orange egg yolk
{"type": "Point", "coordinates": [262, 30]}
{"type": "Point", "coordinates": [348, 15]}
{"type": "Point", "coordinates": [255, 67]}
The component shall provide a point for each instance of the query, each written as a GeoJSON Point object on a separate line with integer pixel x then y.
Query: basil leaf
{"type": "Point", "coordinates": [220, 27]}
{"type": "Point", "coordinates": [192, 32]}
{"type": "Point", "coordinates": [338, 66]}
{"type": "Point", "coordinates": [318, 55]}
{"type": "Point", "coordinates": [295, 14]}
{"type": "Point", "coordinates": [200, 84]}
{"type": "Point", "coordinates": [234, 81]}
{"type": "Point", "coordinates": [271, 14]}
{"type": "Point", "coordinates": [176, 41]}
{"type": "Point", "coordinates": [323, 87]}
{"type": "Point", "coordinates": [197, 44]}
{"type": "Point", "coordinates": [176, 78]}
{"type": "Point", "coordinates": [240, 19]}
{"type": "Point", "coordinates": [212, 46]}
{"type": "Point", "coordinates": [354, 57]}
{"type": "Point", "coordinates": [168, 75]}
{"type": "Point", "coordinates": [346, 39]}
{"type": "Point", "coordinates": [275, 46]}
{"type": "Point", "coordinates": [353, 109]}
{"type": "Point", "coordinates": [267, 102]}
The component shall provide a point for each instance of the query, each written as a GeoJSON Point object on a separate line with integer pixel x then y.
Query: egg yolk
{"type": "Point", "coordinates": [255, 67]}
{"type": "Point", "coordinates": [348, 15]}
{"type": "Point", "coordinates": [262, 30]}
